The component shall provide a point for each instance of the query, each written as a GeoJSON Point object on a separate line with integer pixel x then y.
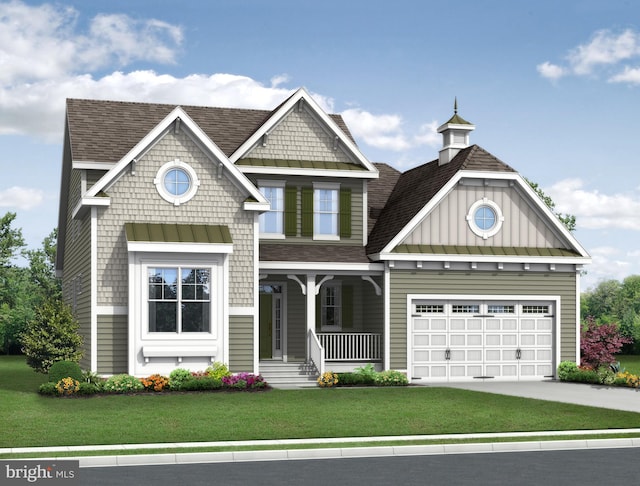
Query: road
{"type": "Point", "coordinates": [548, 468]}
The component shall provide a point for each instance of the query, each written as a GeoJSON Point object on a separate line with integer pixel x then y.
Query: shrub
{"type": "Point", "coordinates": [328, 379]}
{"type": "Point", "coordinates": [391, 378]}
{"type": "Point", "coordinates": [242, 381]}
{"type": "Point", "coordinates": [177, 377]}
{"type": "Point", "coordinates": [63, 369]}
{"type": "Point", "coordinates": [92, 377]}
{"type": "Point", "coordinates": [155, 382]}
{"type": "Point", "coordinates": [67, 386]}
{"type": "Point", "coordinates": [88, 388]}
{"type": "Point", "coordinates": [48, 388]}
{"type": "Point", "coordinates": [367, 372]}
{"type": "Point", "coordinates": [351, 379]}
{"type": "Point", "coordinates": [51, 336]}
{"type": "Point", "coordinates": [565, 369]}
{"type": "Point", "coordinates": [203, 383]}
{"type": "Point", "coordinates": [599, 343]}
{"type": "Point", "coordinates": [218, 370]}
{"type": "Point", "coordinates": [584, 375]}
{"type": "Point", "coordinates": [122, 384]}
{"type": "Point", "coordinates": [627, 379]}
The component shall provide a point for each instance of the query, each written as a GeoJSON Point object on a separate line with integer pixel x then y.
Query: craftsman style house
{"type": "Point", "coordinates": [191, 234]}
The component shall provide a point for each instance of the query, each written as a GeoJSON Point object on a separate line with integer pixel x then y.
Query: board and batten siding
{"type": "Point", "coordinates": [113, 336]}
{"type": "Point", "coordinates": [241, 344]}
{"type": "Point", "coordinates": [523, 224]}
{"type": "Point", "coordinates": [405, 282]}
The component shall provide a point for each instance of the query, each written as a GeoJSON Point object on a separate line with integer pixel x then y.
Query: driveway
{"type": "Point", "coordinates": [617, 398]}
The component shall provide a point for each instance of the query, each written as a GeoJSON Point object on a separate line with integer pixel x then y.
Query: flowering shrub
{"type": "Point", "coordinates": [155, 382]}
{"type": "Point", "coordinates": [391, 378]}
{"type": "Point", "coordinates": [218, 370]}
{"type": "Point", "coordinates": [122, 384]}
{"type": "Point", "coordinates": [242, 381]}
{"type": "Point", "coordinates": [67, 386]}
{"type": "Point", "coordinates": [600, 343]}
{"type": "Point", "coordinates": [628, 379]}
{"type": "Point", "coordinates": [328, 379]}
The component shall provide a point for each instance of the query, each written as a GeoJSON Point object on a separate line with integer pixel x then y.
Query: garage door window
{"type": "Point", "coordinates": [465, 309]}
{"type": "Point", "coordinates": [501, 309]}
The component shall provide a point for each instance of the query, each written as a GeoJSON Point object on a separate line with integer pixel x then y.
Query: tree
{"type": "Point", "coordinates": [51, 336]}
{"type": "Point", "coordinates": [599, 343]}
{"type": "Point", "coordinates": [569, 220]}
{"type": "Point", "coordinates": [42, 267]}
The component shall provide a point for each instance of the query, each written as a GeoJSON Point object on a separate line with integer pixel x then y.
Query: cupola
{"type": "Point", "coordinates": [455, 136]}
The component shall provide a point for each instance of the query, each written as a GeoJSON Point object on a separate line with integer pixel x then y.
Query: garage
{"type": "Point", "coordinates": [466, 339]}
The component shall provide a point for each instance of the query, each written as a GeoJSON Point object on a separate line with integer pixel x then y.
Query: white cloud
{"type": "Point", "coordinates": [605, 50]}
{"type": "Point", "coordinates": [551, 71]}
{"type": "Point", "coordinates": [21, 197]}
{"type": "Point", "coordinates": [607, 263]}
{"type": "Point", "coordinates": [593, 209]}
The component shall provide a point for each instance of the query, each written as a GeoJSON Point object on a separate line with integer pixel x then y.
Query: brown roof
{"type": "Point", "coordinates": [312, 253]}
{"type": "Point", "coordinates": [104, 131]}
{"type": "Point", "coordinates": [416, 187]}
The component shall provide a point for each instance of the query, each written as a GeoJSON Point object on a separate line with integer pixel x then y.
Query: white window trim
{"type": "Point", "coordinates": [331, 187]}
{"type": "Point", "coordinates": [280, 185]}
{"type": "Point", "coordinates": [172, 198]}
{"type": "Point", "coordinates": [484, 234]}
{"type": "Point", "coordinates": [338, 286]}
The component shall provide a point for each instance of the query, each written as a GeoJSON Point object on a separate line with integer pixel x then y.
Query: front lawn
{"type": "Point", "coordinates": [28, 419]}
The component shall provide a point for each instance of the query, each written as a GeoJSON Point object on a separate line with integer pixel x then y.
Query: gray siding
{"type": "Point", "coordinates": [523, 225]}
{"type": "Point", "coordinates": [299, 136]}
{"type": "Point", "coordinates": [241, 343]}
{"type": "Point", "coordinates": [112, 344]}
{"type": "Point", "coordinates": [405, 282]}
{"type": "Point", "coordinates": [134, 198]}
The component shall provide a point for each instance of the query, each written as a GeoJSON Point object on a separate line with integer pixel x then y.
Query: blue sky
{"type": "Point", "coordinates": [552, 87]}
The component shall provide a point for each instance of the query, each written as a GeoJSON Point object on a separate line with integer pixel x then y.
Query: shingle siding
{"type": "Point", "coordinates": [405, 282]}
{"type": "Point", "coordinates": [134, 198]}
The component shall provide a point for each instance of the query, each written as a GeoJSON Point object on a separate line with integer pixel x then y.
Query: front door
{"type": "Point", "coordinates": [271, 322]}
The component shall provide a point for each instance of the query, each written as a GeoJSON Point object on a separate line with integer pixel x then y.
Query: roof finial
{"type": "Point", "coordinates": [455, 105]}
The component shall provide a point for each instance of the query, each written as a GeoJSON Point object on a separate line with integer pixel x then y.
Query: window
{"type": "Point", "coordinates": [271, 222]}
{"type": "Point", "coordinates": [176, 182]}
{"type": "Point", "coordinates": [535, 309]}
{"type": "Point", "coordinates": [179, 299]}
{"type": "Point", "coordinates": [465, 308]}
{"type": "Point", "coordinates": [429, 309]}
{"type": "Point", "coordinates": [331, 306]}
{"type": "Point", "coordinates": [325, 211]}
{"type": "Point", "coordinates": [485, 218]}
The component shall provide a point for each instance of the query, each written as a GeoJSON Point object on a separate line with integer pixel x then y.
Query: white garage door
{"type": "Point", "coordinates": [465, 340]}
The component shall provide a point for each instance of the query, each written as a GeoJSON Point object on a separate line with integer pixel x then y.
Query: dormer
{"type": "Point", "coordinates": [455, 136]}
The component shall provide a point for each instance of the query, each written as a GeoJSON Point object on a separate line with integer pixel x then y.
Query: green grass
{"type": "Point", "coordinates": [28, 419]}
{"type": "Point", "coordinates": [631, 362]}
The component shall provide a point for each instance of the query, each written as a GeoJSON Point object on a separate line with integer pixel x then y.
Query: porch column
{"type": "Point", "coordinates": [311, 307]}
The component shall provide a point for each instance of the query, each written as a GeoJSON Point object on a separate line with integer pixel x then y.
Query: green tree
{"type": "Point", "coordinates": [52, 335]}
{"type": "Point", "coordinates": [569, 220]}
{"type": "Point", "coordinates": [42, 267]}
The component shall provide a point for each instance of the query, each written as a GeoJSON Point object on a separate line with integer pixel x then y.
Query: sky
{"type": "Point", "coordinates": [553, 88]}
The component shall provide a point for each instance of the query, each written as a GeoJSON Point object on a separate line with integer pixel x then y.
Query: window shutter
{"type": "Point", "coordinates": [347, 306]}
{"type": "Point", "coordinates": [290, 211]}
{"type": "Point", "coordinates": [345, 213]}
{"type": "Point", "coordinates": [307, 211]}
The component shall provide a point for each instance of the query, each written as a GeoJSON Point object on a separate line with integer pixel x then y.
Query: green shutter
{"type": "Point", "coordinates": [307, 211]}
{"type": "Point", "coordinates": [347, 306]}
{"type": "Point", "coordinates": [290, 211]}
{"type": "Point", "coordinates": [345, 213]}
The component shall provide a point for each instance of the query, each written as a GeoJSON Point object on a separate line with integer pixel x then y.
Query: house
{"type": "Point", "coordinates": [189, 235]}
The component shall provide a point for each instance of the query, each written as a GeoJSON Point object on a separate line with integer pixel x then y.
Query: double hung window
{"type": "Point", "coordinates": [272, 221]}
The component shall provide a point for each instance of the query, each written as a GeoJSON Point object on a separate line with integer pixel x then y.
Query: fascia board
{"type": "Point", "coordinates": [346, 174]}
{"type": "Point", "coordinates": [410, 226]}
{"type": "Point", "coordinates": [257, 206]}
{"type": "Point", "coordinates": [86, 202]}
{"type": "Point", "coordinates": [319, 112]}
{"type": "Point", "coordinates": [478, 258]}
{"type": "Point", "coordinates": [163, 247]}
{"type": "Point", "coordinates": [323, 268]}
{"type": "Point", "coordinates": [87, 164]}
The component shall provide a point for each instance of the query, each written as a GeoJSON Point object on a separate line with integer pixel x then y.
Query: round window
{"type": "Point", "coordinates": [176, 182]}
{"type": "Point", "coordinates": [485, 218]}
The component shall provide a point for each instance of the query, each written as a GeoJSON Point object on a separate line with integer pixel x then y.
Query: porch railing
{"type": "Point", "coordinates": [316, 353]}
{"type": "Point", "coordinates": [351, 346]}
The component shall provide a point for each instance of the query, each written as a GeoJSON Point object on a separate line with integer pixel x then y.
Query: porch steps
{"type": "Point", "coordinates": [288, 375]}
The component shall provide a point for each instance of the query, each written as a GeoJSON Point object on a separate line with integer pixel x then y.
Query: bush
{"type": "Point", "coordinates": [63, 369]}
{"type": "Point", "coordinates": [51, 336]}
{"type": "Point", "coordinates": [88, 388]}
{"type": "Point", "coordinates": [201, 383]}
{"type": "Point", "coordinates": [243, 381]}
{"type": "Point", "coordinates": [351, 379]}
{"type": "Point", "coordinates": [122, 384]}
{"type": "Point", "coordinates": [368, 373]}
{"type": "Point", "coordinates": [565, 369]}
{"type": "Point", "coordinates": [391, 378]}
{"type": "Point", "coordinates": [328, 379]}
{"type": "Point", "coordinates": [48, 388]}
{"type": "Point", "coordinates": [177, 377]}
{"type": "Point", "coordinates": [218, 370]}
{"type": "Point", "coordinates": [67, 386]}
{"type": "Point", "coordinates": [155, 382]}
{"type": "Point", "coordinates": [599, 343]}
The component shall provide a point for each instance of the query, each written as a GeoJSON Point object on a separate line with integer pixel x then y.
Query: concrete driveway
{"type": "Point", "coordinates": [616, 398]}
